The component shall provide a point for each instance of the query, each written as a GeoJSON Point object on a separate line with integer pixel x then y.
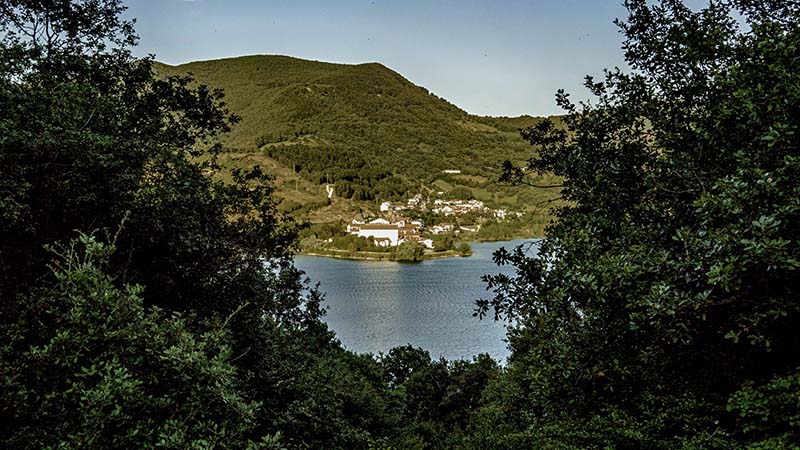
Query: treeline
{"type": "Point", "coordinates": [353, 176]}
{"type": "Point", "coordinates": [358, 247]}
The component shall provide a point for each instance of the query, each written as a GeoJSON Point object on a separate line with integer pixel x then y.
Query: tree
{"type": "Point", "coordinates": [90, 137]}
{"type": "Point", "coordinates": [443, 242]}
{"type": "Point", "coordinates": [409, 251]}
{"type": "Point", "coordinates": [87, 365]}
{"type": "Point", "coordinates": [400, 362]}
{"type": "Point", "coordinates": [661, 309]}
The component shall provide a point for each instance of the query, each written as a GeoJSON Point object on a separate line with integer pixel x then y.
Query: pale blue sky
{"type": "Point", "coordinates": [487, 57]}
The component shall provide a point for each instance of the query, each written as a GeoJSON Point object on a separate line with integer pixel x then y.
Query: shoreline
{"type": "Point", "coordinates": [378, 256]}
{"type": "Point", "coordinates": [477, 240]}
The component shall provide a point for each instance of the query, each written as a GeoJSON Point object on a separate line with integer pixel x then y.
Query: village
{"type": "Point", "coordinates": [394, 228]}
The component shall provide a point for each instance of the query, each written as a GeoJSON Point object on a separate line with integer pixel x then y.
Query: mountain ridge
{"type": "Point", "coordinates": [363, 127]}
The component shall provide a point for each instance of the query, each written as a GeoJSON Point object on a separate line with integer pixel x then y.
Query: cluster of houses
{"type": "Point", "coordinates": [444, 207]}
{"type": "Point", "coordinates": [458, 207]}
{"type": "Point", "coordinates": [398, 229]}
{"type": "Point", "coordinates": [415, 203]}
{"type": "Point", "coordinates": [390, 234]}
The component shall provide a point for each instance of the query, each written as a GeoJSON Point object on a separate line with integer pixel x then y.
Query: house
{"type": "Point", "coordinates": [409, 229]}
{"type": "Point", "coordinates": [444, 228]}
{"type": "Point", "coordinates": [414, 201]}
{"type": "Point", "coordinates": [355, 225]}
{"type": "Point", "coordinates": [386, 206]}
{"type": "Point", "coordinates": [458, 207]}
{"type": "Point", "coordinates": [379, 229]}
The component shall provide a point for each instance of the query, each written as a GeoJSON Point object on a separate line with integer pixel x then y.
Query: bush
{"type": "Point", "coordinates": [87, 365]}
{"type": "Point", "coordinates": [409, 251]}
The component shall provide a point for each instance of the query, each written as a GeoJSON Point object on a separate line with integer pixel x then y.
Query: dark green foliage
{"type": "Point", "coordinates": [769, 414]}
{"type": "Point", "coordinates": [460, 193]}
{"type": "Point", "coordinates": [86, 365]}
{"type": "Point", "coordinates": [464, 249]}
{"type": "Point", "coordinates": [443, 242]}
{"type": "Point", "coordinates": [89, 139]}
{"type": "Point", "coordinates": [400, 362]}
{"type": "Point", "coordinates": [662, 311]}
{"type": "Point", "coordinates": [409, 251]}
{"type": "Point", "coordinates": [439, 396]}
{"type": "Point", "coordinates": [324, 230]}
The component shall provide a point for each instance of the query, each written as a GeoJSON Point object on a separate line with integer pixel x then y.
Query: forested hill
{"type": "Point", "coordinates": [363, 127]}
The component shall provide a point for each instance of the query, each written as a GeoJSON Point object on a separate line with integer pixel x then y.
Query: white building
{"type": "Point", "coordinates": [386, 206]}
{"type": "Point", "coordinates": [438, 229]}
{"type": "Point", "coordinates": [385, 233]}
{"type": "Point", "coordinates": [414, 201]}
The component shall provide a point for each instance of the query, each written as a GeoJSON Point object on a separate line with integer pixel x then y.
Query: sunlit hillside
{"type": "Point", "coordinates": [363, 128]}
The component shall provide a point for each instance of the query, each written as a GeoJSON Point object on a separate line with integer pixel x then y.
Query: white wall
{"type": "Point", "coordinates": [393, 235]}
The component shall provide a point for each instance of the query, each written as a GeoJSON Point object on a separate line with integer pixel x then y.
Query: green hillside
{"type": "Point", "coordinates": [363, 128]}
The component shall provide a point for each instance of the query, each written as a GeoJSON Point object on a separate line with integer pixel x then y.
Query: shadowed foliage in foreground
{"type": "Point", "coordinates": [662, 312]}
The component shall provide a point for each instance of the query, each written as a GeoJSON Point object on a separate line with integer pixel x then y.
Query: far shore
{"type": "Point", "coordinates": [385, 256]}
{"type": "Point", "coordinates": [379, 256]}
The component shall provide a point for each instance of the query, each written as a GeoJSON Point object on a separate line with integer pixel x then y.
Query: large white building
{"type": "Point", "coordinates": [388, 234]}
{"type": "Point", "coordinates": [382, 231]}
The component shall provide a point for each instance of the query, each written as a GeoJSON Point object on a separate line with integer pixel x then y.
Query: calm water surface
{"type": "Point", "coordinates": [374, 306]}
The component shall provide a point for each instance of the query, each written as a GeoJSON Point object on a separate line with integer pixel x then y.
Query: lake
{"type": "Point", "coordinates": [374, 306]}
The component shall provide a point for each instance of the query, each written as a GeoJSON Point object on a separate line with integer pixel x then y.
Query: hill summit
{"type": "Point", "coordinates": [363, 128]}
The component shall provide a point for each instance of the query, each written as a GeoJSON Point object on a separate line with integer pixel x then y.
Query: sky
{"type": "Point", "coordinates": [499, 58]}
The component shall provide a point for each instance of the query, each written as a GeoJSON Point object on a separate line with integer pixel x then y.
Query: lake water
{"type": "Point", "coordinates": [374, 306]}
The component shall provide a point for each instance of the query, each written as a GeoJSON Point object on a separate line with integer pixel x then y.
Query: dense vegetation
{"type": "Point", "coordinates": [663, 310]}
{"type": "Point", "coordinates": [363, 128]}
{"type": "Point", "coordinates": [173, 317]}
{"type": "Point", "coordinates": [148, 304]}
